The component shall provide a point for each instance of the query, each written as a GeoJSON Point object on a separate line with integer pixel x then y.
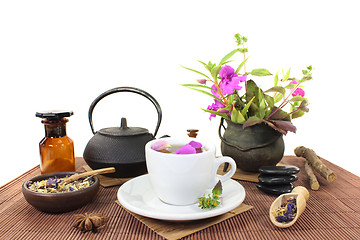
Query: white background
{"type": "Point", "coordinates": [63, 54]}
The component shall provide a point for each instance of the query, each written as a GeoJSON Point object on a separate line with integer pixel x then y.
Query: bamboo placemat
{"type": "Point", "coordinates": [332, 212]}
{"type": "Point", "coordinates": [177, 230]}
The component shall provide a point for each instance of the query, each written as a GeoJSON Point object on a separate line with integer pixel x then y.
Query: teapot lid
{"type": "Point", "coordinates": [123, 130]}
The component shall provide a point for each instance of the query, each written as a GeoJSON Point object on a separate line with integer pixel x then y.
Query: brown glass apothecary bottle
{"type": "Point", "coordinates": [56, 148]}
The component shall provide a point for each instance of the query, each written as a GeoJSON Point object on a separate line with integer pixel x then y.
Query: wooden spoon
{"type": "Point", "coordinates": [301, 194]}
{"type": "Point", "coordinates": [90, 173]}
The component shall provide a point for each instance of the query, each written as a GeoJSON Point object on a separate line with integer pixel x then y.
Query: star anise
{"type": "Point", "coordinates": [90, 222]}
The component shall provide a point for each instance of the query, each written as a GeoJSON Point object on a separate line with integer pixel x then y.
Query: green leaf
{"type": "Point", "coordinates": [262, 104]}
{"type": "Point", "coordinates": [297, 114]}
{"type": "Point", "coordinates": [287, 75]}
{"type": "Point", "coordinates": [223, 115]}
{"type": "Point", "coordinates": [297, 98]}
{"type": "Point", "coordinates": [247, 106]}
{"type": "Point", "coordinates": [278, 97]}
{"type": "Point", "coordinates": [276, 79]}
{"type": "Point", "coordinates": [215, 72]}
{"type": "Point", "coordinates": [289, 86]}
{"type": "Point", "coordinates": [241, 65]}
{"type": "Point", "coordinates": [304, 79]}
{"type": "Point", "coordinates": [197, 72]}
{"type": "Point", "coordinates": [202, 63]}
{"type": "Point", "coordinates": [210, 66]}
{"type": "Point", "coordinates": [227, 56]}
{"type": "Point", "coordinates": [195, 87]}
{"type": "Point", "coordinates": [217, 190]}
{"type": "Point", "coordinates": [270, 100]}
{"type": "Point", "coordinates": [277, 89]}
{"type": "Point", "coordinates": [236, 116]}
{"type": "Point", "coordinates": [227, 62]}
{"type": "Point", "coordinates": [260, 72]}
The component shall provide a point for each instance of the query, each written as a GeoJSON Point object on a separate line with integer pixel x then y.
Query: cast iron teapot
{"type": "Point", "coordinates": [120, 147]}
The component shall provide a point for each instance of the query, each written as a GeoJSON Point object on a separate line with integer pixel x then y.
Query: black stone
{"type": "Point", "coordinates": [275, 189]}
{"type": "Point", "coordinates": [277, 179]}
{"type": "Point", "coordinates": [279, 170]}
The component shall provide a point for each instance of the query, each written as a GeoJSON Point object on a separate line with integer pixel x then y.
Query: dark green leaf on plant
{"type": "Point", "coordinates": [251, 91]}
{"type": "Point", "coordinates": [277, 89]}
{"type": "Point", "coordinates": [279, 114]}
{"type": "Point", "coordinates": [252, 121]}
{"type": "Point", "coordinates": [271, 124]}
{"type": "Point", "coordinates": [270, 100]}
{"type": "Point", "coordinates": [297, 99]}
{"type": "Point", "coordinates": [297, 114]}
{"type": "Point", "coordinates": [284, 125]}
{"type": "Point", "coordinates": [303, 106]}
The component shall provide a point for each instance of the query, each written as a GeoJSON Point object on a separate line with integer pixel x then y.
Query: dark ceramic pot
{"type": "Point", "coordinates": [252, 147]}
{"type": "Point", "coordinates": [59, 202]}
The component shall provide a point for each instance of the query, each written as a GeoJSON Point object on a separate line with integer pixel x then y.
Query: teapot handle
{"type": "Point", "coordinates": [126, 89]}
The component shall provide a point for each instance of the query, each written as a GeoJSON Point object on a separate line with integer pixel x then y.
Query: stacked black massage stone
{"type": "Point", "coordinates": [277, 180]}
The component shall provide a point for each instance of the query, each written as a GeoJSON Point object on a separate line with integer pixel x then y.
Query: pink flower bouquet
{"type": "Point", "coordinates": [254, 106]}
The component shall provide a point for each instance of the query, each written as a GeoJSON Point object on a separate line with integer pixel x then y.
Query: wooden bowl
{"type": "Point", "coordinates": [59, 202]}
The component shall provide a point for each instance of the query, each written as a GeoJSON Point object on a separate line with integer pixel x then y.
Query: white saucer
{"type": "Point", "coordinates": [137, 196]}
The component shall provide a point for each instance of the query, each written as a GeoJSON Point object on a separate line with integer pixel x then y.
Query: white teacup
{"type": "Point", "coordinates": [180, 179]}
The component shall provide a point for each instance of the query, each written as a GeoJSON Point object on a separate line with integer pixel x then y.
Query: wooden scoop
{"type": "Point", "coordinates": [90, 173]}
{"type": "Point", "coordinates": [301, 194]}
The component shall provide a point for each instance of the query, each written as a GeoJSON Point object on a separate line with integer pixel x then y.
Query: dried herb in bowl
{"type": "Point", "coordinates": [57, 185]}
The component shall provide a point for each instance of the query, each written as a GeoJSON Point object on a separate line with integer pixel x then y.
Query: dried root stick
{"type": "Point", "coordinates": [315, 163]}
{"type": "Point", "coordinates": [314, 184]}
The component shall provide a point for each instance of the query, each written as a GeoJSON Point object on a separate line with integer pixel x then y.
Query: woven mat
{"type": "Point", "coordinates": [177, 230]}
{"type": "Point", "coordinates": [332, 212]}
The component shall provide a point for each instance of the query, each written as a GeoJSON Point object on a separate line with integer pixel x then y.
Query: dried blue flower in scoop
{"type": "Point", "coordinates": [287, 211]}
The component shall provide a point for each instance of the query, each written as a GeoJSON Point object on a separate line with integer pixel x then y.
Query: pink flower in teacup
{"type": "Point", "coordinates": [160, 145]}
{"type": "Point", "coordinates": [190, 148]}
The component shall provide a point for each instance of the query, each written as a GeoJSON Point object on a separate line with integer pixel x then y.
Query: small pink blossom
{"type": "Point", "coordinates": [299, 91]}
{"type": "Point", "coordinates": [215, 107]}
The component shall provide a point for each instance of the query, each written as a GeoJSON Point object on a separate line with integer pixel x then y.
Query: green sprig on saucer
{"type": "Point", "coordinates": [212, 200]}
